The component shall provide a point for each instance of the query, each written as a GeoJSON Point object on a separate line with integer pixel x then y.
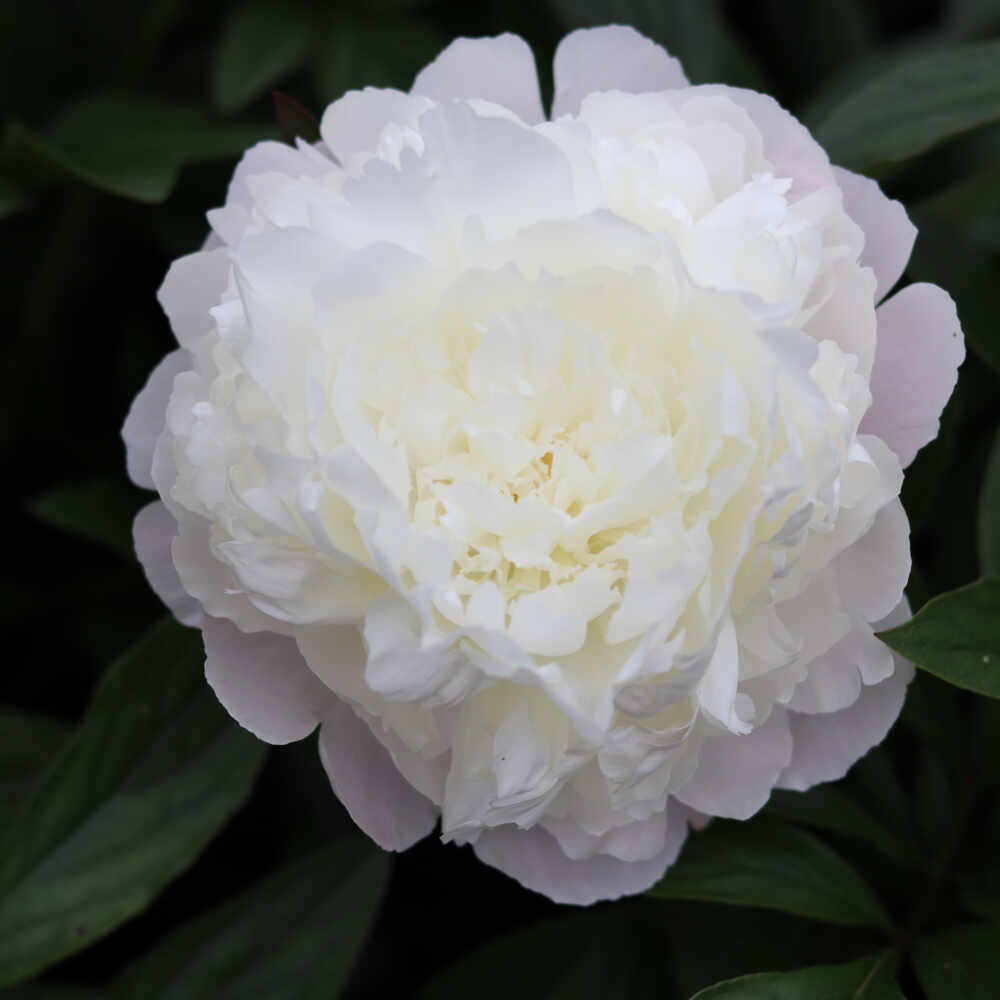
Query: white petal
{"type": "Point", "coordinates": [847, 317]}
{"type": "Point", "coordinates": [354, 122]}
{"type": "Point", "coordinates": [147, 417]}
{"type": "Point", "coordinates": [788, 144]}
{"type": "Point", "coordinates": [193, 285]}
{"type": "Point", "coordinates": [380, 800]}
{"type": "Point", "coordinates": [736, 773]}
{"type": "Point", "coordinates": [889, 234]}
{"type": "Point", "coordinates": [835, 679]}
{"type": "Point", "coordinates": [873, 571]}
{"type": "Point", "coordinates": [270, 157]}
{"type": "Point", "coordinates": [500, 70]}
{"type": "Point", "coordinates": [533, 857]}
{"type": "Point", "coordinates": [615, 57]}
{"type": "Point", "coordinates": [717, 691]}
{"type": "Point", "coordinates": [153, 532]}
{"type": "Point", "coordinates": [919, 349]}
{"type": "Point", "coordinates": [263, 682]}
{"type": "Point", "coordinates": [639, 840]}
{"type": "Point", "coordinates": [824, 747]}
{"type": "Point", "coordinates": [212, 583]}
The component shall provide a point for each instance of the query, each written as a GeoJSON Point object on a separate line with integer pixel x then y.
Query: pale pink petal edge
{"type": "Point", "coordinates": [500, 69]}
{"type": "Point", "coordinates": [919, 349]}
{"type": "Point", "coordinates": [365, 779]}
{"type": "Point", "coordinates": [534, 858]}
{"type": "Point", "coordinates": [615, 57]}
{"type": "Point", "coordinates": [263, 682]}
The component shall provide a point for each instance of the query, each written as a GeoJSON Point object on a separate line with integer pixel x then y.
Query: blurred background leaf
{"type": "Point", "coordinates": [961, 962]}
{"type": "Point", "coordinates": [101, 511]}
{"type": "Point", "coordinates": [868, 978]}
{"type": "Point", "coordinates": [295, 936]}
{"type": "Point", "coordinates": [915, 105]}
{"type": "Point", "coordinates": [154, 771]}
{"type": "Point", "coordinates": [128, 145]}
{"type": "Point", "coordinates": [263, 41]}
{"type": "Point", "coordinates": [772, 866]}
{"type": "Point", "coordinates": [27, 743]}
{"type": "Point", "coordinates": [354, 51]}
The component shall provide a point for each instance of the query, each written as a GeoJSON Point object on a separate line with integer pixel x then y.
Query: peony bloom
{"type": "Point", "coordinates": [550, 467]}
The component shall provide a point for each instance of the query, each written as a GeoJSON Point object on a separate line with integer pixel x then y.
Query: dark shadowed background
{"type": "Point", "coordinates": [123, 123]}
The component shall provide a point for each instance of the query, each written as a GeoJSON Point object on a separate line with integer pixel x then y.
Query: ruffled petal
{"type": "Point", "coordinates": [615, 57]}
{"type": "Point", "coordinates": [270, 157]}
{"type": "Point", "coordinates": [826, 746]}
{"type": "Point", "coordinates": [193, 285]}
{"type": "Point", "coordinates": [533, 857]}
{"type": "Point", "coordinates": [213, 584]}
{"type": "Point", "coordinates": [788, 144]}
{"type": "Point", "coordinates": [353, 124]}
{"type": "Point", "coordinates": [920, 347]}
{"type": "Point", "coordinates": [263, 682]}
{"type": "Point", "coordinates": [736, 773]}
{"type": "Point", "coordinates": [153, 532]}
{"type": "Point", "coordinates": [873, 572]}
{"type": "Point", "coordinates": [500, 69]}
{"type": "Point", "coordinates": [361, 770]}
{"type": "Point", "coordinates": [889, 234]}
{"type": "Point", "coordinates": [147, 417]}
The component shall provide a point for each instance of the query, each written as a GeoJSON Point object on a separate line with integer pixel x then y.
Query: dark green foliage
{"type": "Point", "coordinates": [295, 935]}
{"type": "Point", "coordinates": [866, 979]}
{"type": "Point", "coordinates": [957, 637]}
{"type": "Point", "coordinates": [151, 775]}
{"type": "Point", "coordinates": [771, 866]}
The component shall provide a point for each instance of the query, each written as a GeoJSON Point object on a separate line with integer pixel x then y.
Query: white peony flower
{"type": "Point", "coordinates": [552, 468]}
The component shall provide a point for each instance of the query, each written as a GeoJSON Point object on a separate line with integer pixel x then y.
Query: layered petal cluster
{"type": "Point", "coordinates": [550, 466]}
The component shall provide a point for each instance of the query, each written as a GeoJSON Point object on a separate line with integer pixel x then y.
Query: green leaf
{"type": "Point", "coordinates": [936, 713]}
{"type": "Point", "coordinates": [935, 808]}
{"type": "Point", "coordinates": [756, 941]}
{"type": "Point", "coordinates": [988, 515]}
{"type": "Point", "coordinates": [130, 146]}
{"type": "Point", "coordinates": [856, 74]}
{"type": "Point", "coordinates": [871, 978]}
{"type": "Point", "coordinates": [262, 42]}
{"type": "Point", "coordinates": [811, 41]}
{"type": "Point", "coordinates": [971, 18]}
{"type": "Point", "coordinates": [12, 197]}
{"type": "Point", "coordinates": [961, 963]}
{"type": "Point", "coordinates": [876, 781]}
{"type": "Point", "coordinates": [829, 808]}
{"type": "Point", "coordinates": [152, 774]}
{"type": "Point", "coordinates": [100, 511]}
{"type": "Point", "coordinates": [695, 31]}
{"type": "Point", "coordinates": [915, 106]}
{"type": "Point", "coordinates": [956, 637]}
{"type": "Point", "coordinates": [50, 991]}
{"type": "Point", "coordinates": [771, 866]}
{"type": "Point", "coordinates": [981, 895]}
{"type": "Point", "coordinates": [590, 955]}
{"type": "Point", "coordinates": [295, 935]}
{"type": "Point", "coordinates": [27, 744]}
{"type": "Point", "coordinates": [356, 52]}
{"type": "Point", "coordinates": [972, 204]}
